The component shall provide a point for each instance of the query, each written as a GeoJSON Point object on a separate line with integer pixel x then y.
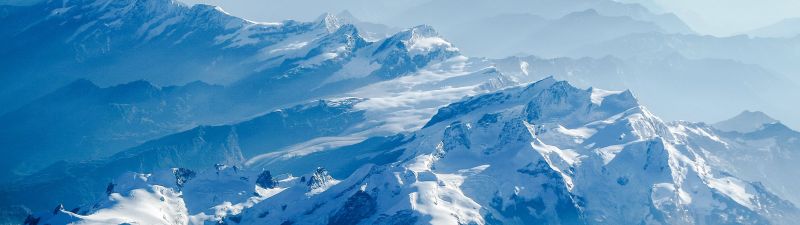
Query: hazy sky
{"type": "Point", "coordinates": [717, 17]}
{"type": "Point", "coordinates": [725, 17]}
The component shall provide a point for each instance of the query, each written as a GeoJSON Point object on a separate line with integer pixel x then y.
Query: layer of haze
{"type": "Point", "coordinates": [714, 17]}
{"type": "Point", "coordinates": [731, 17]}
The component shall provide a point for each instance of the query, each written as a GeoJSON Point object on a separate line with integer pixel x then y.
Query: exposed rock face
{"type": "Point", "coordinates": [265, 180]}
{"type": "Point", "coordinates": [399, 218]}
{"type": "Point", "coordinates": [31, 220]}
{"type": "Point", "coordinates": [110, 188]}
{"type": "Point", "coordinates": [182, 175]}
{"type": "Point", "coordinates": [358, 207]}
{"type": "Point", "coordinates": [319, 179]}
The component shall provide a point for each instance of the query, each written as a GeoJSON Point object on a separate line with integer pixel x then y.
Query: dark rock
{"type": "Point", "coordinates": [58, 208]}
{"type": "Point", "coordinates": [235, 218]}
{"type": "Point", "coordinates": [487, 119]}
{"type": "Point", "coordinates": [401, 217]}
{"type": "Point", "coordinates": [31, 220]}
{"type": "Point", "coordinates": [110, 188]}
{"type": "Point", "coordinates": [182, 175]}
{"type": "Point", "coordinates": [265, 180]}
{"type": "Point", "coordinates": [622, 181]}
{"type": "Point", "coordinates": [358, 207]}
{"type": "Point", "coordinates": [319, 178]}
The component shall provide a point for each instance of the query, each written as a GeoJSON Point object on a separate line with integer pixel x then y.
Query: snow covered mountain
{"type": "Point", "coordinates": [752, 146]}
{"type": "Point", "coordinates": [541, 153]}
{"type": "Point", "coordinates": [102, 41]}
{"type": "Point", "coordinates": [111, 42]}
{"type": "Point", "coordinates": [262, 67]}
{"type": "Point", "coordinates": [739, 86]}
{"type": "Point", "coordinates": [379, 110]}
{"type": "Point", "coordinates": [342, 121]}
{"type": "Point", "coordinates": [194, 149]}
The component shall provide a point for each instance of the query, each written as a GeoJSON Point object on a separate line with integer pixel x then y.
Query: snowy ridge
{"type": "Point", "coordinates": [766, 155]}
{"type": "Point", "coordinates": [540, 153]}
{"type": "Point", "coordinates": [92, 37]}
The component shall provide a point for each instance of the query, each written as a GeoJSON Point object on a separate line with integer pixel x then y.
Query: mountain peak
{"type": "Point", "coordinates": [76, 88]}
{"type": "Point", "coordinates": [422, 31]}
{"type": "Point", "coordinates": [423, 39]}
{"type": "Point", "coordinates": [329, 21]}
{"type": "Point", "coordinates": [747, 121]}
{"type": "Point", "coordinates": [347, 16]}
{"type": "Point", "coordinates": [544, 100]}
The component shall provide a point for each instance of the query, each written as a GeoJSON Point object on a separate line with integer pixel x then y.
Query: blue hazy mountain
{"type": "Point", "coordinates": [541, 153]}
{"type": "Point", "coordinates": [786, 28]}
{"type": "Point", "coordinates": [775, 54]}
{"type": "Point", "coordinates": [76, 183]}
{"type": "Point", "coordinates": [655, 80]}
{"type": "Point", "coordinates": [754, 146]}
{"type": "Point", "coordinates": [532, 34]}
{"type": "Point", "coordinates": [167, 43]}
{"type": "Point", "coordinates": [103, 42]}
{"type": "Point", "coordinates": [83, 121]}
{"type": "Point", "coordinates": [190, 115]}
{"type": "Point", "coordinates": [500, 29]}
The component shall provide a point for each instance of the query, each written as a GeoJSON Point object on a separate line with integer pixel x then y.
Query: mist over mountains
{"type": "Point", "coordinates": [510, 112]}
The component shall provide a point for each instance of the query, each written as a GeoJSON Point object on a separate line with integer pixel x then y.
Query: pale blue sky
{"type": "Point", "coordinates": [726, 17]}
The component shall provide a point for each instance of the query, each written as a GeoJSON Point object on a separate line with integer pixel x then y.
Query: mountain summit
{"type": "Point", "coordinates": [745, 122]}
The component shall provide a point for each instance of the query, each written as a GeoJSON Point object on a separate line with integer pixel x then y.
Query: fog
{"type": "Point", "coordinates": [713, 17]}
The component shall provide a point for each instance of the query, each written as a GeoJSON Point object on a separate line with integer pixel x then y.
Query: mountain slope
{"type": "Point", "coordinates": [100, 41]}
{"type": "Point", "coordinates": [112, 42]}
{"type": "Point", "coordinates": [77, 183]}
{"type": "Point", "coordinates": [765, 152]}
{"type": "Point", "coordinates": [542, 153]}
{"type": "Point", "coordinates": [83, 121]}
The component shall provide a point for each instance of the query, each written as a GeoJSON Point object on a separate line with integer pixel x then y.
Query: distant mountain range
{"type": "Point", "coordinates": [787, 28]}
{"type": "Point", "coordinates": [196, 116]}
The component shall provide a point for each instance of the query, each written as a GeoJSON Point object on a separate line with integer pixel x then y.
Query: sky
{"type": "Point", "coordinates": [714, 17]}
{"type": "Point", "coordinates": [730, 17]}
